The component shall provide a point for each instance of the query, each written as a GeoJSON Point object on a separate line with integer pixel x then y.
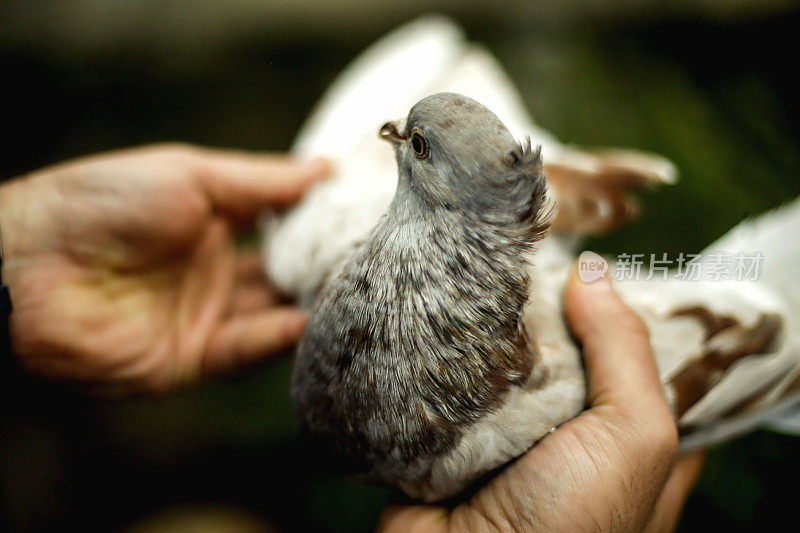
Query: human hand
{"type": "Point", "coordinates": [123, 271]}
{"type": "Point", "coordinates": [611, 468]}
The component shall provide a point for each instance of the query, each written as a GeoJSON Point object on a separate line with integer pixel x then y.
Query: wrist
{"type": "Point", "coordinates": [9, 221]}
{"type": "Point", "coordinates": [25, 222]}
{"type": "Point", "coordinates": [18, 213]}
{"type": "Point", "coordinates": [5, 297]}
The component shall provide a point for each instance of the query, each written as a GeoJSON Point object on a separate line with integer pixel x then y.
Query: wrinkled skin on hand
{"type": "Point", "coordinates": [123, 271]}
{"type": "Point", "coordinates": [610, 469]}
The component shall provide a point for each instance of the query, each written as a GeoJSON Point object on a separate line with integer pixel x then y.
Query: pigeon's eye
{"type": "Point", "coordinates": [418, 144]}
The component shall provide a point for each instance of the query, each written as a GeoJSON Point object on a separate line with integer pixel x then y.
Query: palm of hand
{"type": "Point", "coordinates": [132, 281]}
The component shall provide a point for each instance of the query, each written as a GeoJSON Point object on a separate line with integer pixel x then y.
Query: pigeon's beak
{"type": "Point", "coordinates": [390, 132]}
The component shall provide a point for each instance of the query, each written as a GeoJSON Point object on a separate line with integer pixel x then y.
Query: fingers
{"type": "Point", "coordinates": [413, 518]}
{"type": "Point", "coordinates": [244, 340]}
{"type": "Point", "coordinates": [668, 509]}
{"type": "Point", "coordinates": [242, 184]}
{"type": "Point", "coordinates": [248, 299]}
{"type": "Point", "coordinates": [252, 293]}
{"type": "Point", "coordinates": [249, 266]}
{"type": "Point", "coordinates": [619, 360]}
{"type": "Point", "coordinates": [254, 330]}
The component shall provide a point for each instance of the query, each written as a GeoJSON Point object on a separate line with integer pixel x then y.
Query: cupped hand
{"type": "Point", "coordinates": [123, 270]}
{"type": "Point", "coordinates": [613, 468]}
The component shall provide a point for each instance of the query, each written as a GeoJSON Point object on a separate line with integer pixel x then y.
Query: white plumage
{"type": "Point", "coordinates": [431, 55]}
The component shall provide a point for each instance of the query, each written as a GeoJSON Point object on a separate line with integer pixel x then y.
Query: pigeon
{"type": "Point", "coordinates": [436, 348]}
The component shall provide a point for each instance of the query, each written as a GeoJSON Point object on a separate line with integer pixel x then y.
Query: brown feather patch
{"type": "Point", "coordinates": [726, 342]}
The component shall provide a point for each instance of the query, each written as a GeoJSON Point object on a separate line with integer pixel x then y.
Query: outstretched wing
{"type": "Point", "coordinates": [729, 351]}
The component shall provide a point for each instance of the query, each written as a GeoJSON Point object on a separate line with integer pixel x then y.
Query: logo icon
{"type": "Point", "coordinates": [591, 267]}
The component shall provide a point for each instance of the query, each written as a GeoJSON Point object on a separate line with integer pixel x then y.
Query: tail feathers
{"type": "Point", "coordinates": [786, 420]}
{"type": "Point", "coordinates": [771, 418]}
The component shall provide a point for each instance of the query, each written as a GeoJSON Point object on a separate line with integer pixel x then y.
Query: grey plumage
{"type": "Point", "coordinates": [419, 334]}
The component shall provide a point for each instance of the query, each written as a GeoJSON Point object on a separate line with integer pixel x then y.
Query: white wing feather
{"type": "Point", "coordinates": [767, 382]}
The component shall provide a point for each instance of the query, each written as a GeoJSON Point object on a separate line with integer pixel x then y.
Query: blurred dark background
{"type": "Point", "coordinates": [711, 84]}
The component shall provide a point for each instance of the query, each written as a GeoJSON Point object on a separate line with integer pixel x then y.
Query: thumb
{"type": "Point", "coordinates": [619, 360]}
{"type": "Point", "coordinates": [242, 184]}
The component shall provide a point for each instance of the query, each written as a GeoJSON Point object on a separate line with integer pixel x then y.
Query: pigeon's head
{"type": "Point", "coordinates": [453, 153]}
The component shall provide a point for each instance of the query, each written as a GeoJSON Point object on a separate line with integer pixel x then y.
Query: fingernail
{"type": "Point", "coordinates": [318, 166]}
